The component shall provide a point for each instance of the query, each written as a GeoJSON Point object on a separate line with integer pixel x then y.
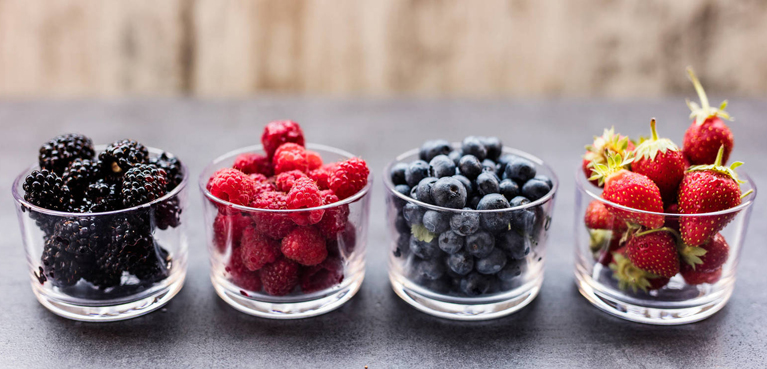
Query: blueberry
{"type": "Point", "coordinates": [492, 263]}
{"type": "Point", "coordinates": [523, 221]}
{"type": "Point", "coordinates": [402, 189]}
{"type": "Point", "coordinates": [470, 166]}
{"type": "Point", "coordinates": [423, 249]}
{"type": "Point", "coordinates": [474, 201]}
{"type": "Point", "coordinates": [513, 244]}
{"type": "Point", "coordinates": [472, 145]}
{"type": "Point", "coordinates": [505, 159]}
{"type": "Point", "coordinates": [548, 181]}
{"type": "Point", "coordinates": [509, 189]}
{"type": "Point", "coordinates": [519, 201]}
{"type": "Point", "coordinates": [436, 222]}
{"type": "Point", "coordinates": [441, 166]}
{"type": "Point", "coordinates": [495, 221]}
{"type": "Point", "coordinates": [465, 223]}
{"type": "Point", "coordinates": [466, 183]}
{"type": "Point", "coordinates": [403, 246]}
{"type": "Point", "coordinates": [494, 147]}
{"type": "Point", "coordinates": [413, 213]}
{"type": "Point", "coordinates": [451, 242]}
{"type": "Point", "coordinates": [475, 284]}
{"type": "Point", "coordinates": [449, 193]}
{"type": "Point", "coordinates": [480, 244]}
{"type": "Point", "coordinates": [398, 173]}
{"type": "Point", "coordinates": [455, 156]}
{"type": "Point", "coordinates": [535, 189]}
{"type": "Point", "coordinates": [487, 183]}
{"type": "Point", "coordinates": [429, 269]}
{"type": "Point", "coordinates": [432, 148]}
{"type": "Point", "coordinates": [488, 166]}
{"type": "Point", "coordinates": [460, 263]}
{"type": "Point", "coordinates": [400, 223]}
{"type": "Point", "coordinates": [416, 171]}
{"type": "Point", "coordinates": [423, 190]}
{"type": "Point", "coordinates": [513, 269]}
{"type": "Point", "coordinates": [519, 170]}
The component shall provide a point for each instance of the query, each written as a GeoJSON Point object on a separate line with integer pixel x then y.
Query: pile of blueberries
{"type": "Point", "coordinates": [467, 253]}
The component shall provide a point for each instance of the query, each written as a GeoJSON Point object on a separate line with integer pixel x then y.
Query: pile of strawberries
{"type": "Point", "coordinates": [646, 249]}
{"type": "Point", "coordinates": [277, 251]}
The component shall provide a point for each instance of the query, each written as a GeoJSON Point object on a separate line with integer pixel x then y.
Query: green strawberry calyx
{"type": "Point", "coordinates": [719, 168]}
{"type": "Point", "coordinates": [421, 233]}
{"type": "Point", "coordinates": [628, 275]}
{"type": "Point", "coordinates": [704, 110]}
{"type": "Point", "coordinates": [615, 163]}
{"type": "Point", "coordinates": [599, 239]}
{"type": "Point", "coordinates": [649, 148]}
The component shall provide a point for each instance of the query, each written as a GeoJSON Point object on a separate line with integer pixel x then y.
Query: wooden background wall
{"type": "Point", "coordinates": [479, 48]}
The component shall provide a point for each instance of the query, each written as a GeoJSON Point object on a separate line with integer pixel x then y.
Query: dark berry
{"type": "Point", "coordinates": [451, 242]}
{"type": "Point", "coordinates": [523, 221]}
{"type": "Point", "coordinates": [81, 237]}
{"type": "Point", "coordinates": [470, 166]}
{"type": "Point", "coordinates": [402, 189]}
{"type": "Point", "coordinates": [509, 189]}
{"type": "Point", "coordinates": [543, 178]}
{"type": "Point", "coordinates": [172, 167]}
{"type": "Point", "coordinates": [60, 267]}
{"type": "Point", "coordinates": [441, 166]}
{"type": "Point", "coordinates": [432, 148]}
{"type": "Point", "coordinates": [535, 189]}
{"type": "Point", "coordinates": [455, 156]}
{"type": "Point", "coordinates": [472, 145]}
{"type": "Point", "coordinates": [103, 195]}
{"type": "Point", "coordinates": [494, 147]}
{"type": "Point", "coordinates": [416, 171]}
{"type": "Point", "coordinates": [466, 183]}
{"type": "Point", "coordinates": [429, 269]}
{"type": "Point", "coordinates": [495, 221]}
{"type": "Point", "coordinates": [423, 190]}
{"type": "Point", "coordinates": [475, 284]}
{"type": "Point", "coordinates": [489, 166]}
{"type": "Point", "coordinates": [480, 244]}
{"type": "Point", "coordinates": [413, 213]}
{"type": "Point", "coordinates": [519, 201]}
{"type": "Point", "coordinates": [449, 192]}
{"type": "Point", "coordinates": [400, 223]}
{"type": "Point", "coordinates": [460, 263]}
{"type": "Point", "coordinates": [56, 154]}
{"type": "Point", "coordinates": [167, 213]}
{"type": "Point", "coordinates": [79, 174]}
{"type": "Point", "coordinates": [512, 270]}
{"type": "Point", "coordinates": [45, 189]}
{"type": "Point", "coordinates": [398, 173]}
{"type": "Point", "coordinates": [474, 201]}
{"type": "Point", "coordinates": [487, 183]}
{"type": "Point", "coordinates": [122, 155]}
{"type": "Point", "coordinates": [465, 223]}
{"type": "Point", "coordinates": [436, 222]}
{"type": "Point", "coordinates": [492, 263]}
{"type": "Point", "coordinates": [513, 244]}
{"type": "Point", "coordinates": [519, 170]}
{"type": "Point", "coordinates": [423, 249]}
{"type": "Point", "coordinates": [143, 183]}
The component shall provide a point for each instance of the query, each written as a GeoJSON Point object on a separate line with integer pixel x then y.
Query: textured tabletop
{"type": "Point", "coordinates": [376, 328]}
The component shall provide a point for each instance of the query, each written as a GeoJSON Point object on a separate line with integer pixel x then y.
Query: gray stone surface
{"type": "Point", "coordinates": [197, 329]}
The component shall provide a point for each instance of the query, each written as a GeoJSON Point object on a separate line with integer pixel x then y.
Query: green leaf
{"type": "Point", "coordinates": [421, 233]}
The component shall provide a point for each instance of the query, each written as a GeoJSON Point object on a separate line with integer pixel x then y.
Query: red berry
{"type": "Point", "coordinates": [280, 277]}
{"type": "Point", "coordinates": [695, 277]}
{"type": "Point", "coordinates": [324, 275]}
{"type": "Point", "coordinates": [285, 180]}
{"type": "Point", "coordinates": [232, 185]}
{"type": "Point", "coordinates": [290, 156]}
{"type": "Point", "coordinates": [257, 249]}
{"type": "Point", "coordinates": [313, 159]}
{"type": "Point", "coordinates": [660, 160]}
{"type": "Point", "coordinates": [335, 218]}
{"type": "Point", "coordinates": [274, 225]}
{"type": "Point", "coordinates": [707, 133]}
{"type": "Point", "coordinates": [240, 276]}
{"type": "Point", "coordinates": [629, 276]}
{"type": "Point", "coordinates": [654, 253]}
{"type": "Point", "coordinates": [251, 163]}
{"type": "Point", "coordinates": [672, 221]}
{"type": "Point", "coordinates": [304, 245]}
{"type": "Point", "coordinates": [608, 143]}
{"type": "Point", "coordinates": [598, 217]}
{"type": "Point", "coordinates": [708, 256]}
{"type": "Point", "coordinates": [321, 176]}
{"type": "Point", "coordinates": [350, 177]}
{"type": "Point", "coordinates": [279, 132]}
{"type": "Point", "coordinates": [228, 228]}
{"type": "Point", "coordinates": [303, 195]}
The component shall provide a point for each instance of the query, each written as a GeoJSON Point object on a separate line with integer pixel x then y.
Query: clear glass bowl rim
{"type": "Point", "coordinates": [203, 180]}
{"type": "Point", "coordinates": [98, 148]}
{"type": "Point", "coordinates": [506, 149]}
{"type": "Point", "coordinates": [581, 184]}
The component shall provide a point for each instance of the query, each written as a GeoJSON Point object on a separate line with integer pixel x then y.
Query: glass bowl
{"type": "Point", "coordinates": [422, 278]}
{"type": "Point", "coordinates": [684, 299]}
{"type": "Point", "coordinates": [320, 288]}
{"type": "Point", "coordinates": [148, 241]}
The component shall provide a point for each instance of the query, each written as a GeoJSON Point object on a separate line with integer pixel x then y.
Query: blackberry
{"type": "Point", "coordinates": [57, 153]}
{"type": "Point", "coordinates": [154, 267]}
{"type": "Point", "coordinates": [172, 167]}
{"type": "Point", "coordinates": [60, 267]}
{"type": "Point", "coordinates": [132, 248]}
{"type": "Point", "coordinates": [80, 237]}
{"type": "Point", "coordinates": [122, 155]}
{"type": "Point", "coordinates": [79, 174]}
{"type": "Point", "coordinates": [167, 213]}
{"type": "Point", "coordinates": [45, 189]}
{"type": "Point", "coordinates": [103, 195]}
{"type": "Point", "coordinates": [142, 184]}
{"type": "Point", "coordinates": [103, 278]}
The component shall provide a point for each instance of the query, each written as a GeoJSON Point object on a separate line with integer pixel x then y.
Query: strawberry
{"type": "Point", "coordinates": [660, 160]}
{"type": "Point", "coordinates": [672, 221]}
{"type": "Point", "coordinates": [598, 217]}
{"type": "Point", "coordinates": [707, 189]}
{"type": "Point", "coordinates": [695, 277]}
{"type": "Point", "coordinates": [603, 244]}
{"type": "Point", "coordinates": [708, 256]}
{"type": "Point", "coordinates": [707, 132]}
{"type": "Point", "coordinates": [609, 142]}
{"type": "Point", "coordinates": [654, 252]}
{"type": "Point", "coordinates": [631, 190]}
{"type": "Point", "coordinates": [629, 276]}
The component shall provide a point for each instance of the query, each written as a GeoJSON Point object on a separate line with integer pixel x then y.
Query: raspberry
{"type": "Point", "coordinates": [313, 159]}
{"type": "Point", "coordinates": [279, 278]}
{"type": "Point", "coordinates": [290, 156]}
{"type": "Point", "coordinates": [350, 177]}
{"type": "Point", "coordinates": [285, 180]}
{"type": "Point", "coordinates": [305, 245]}
{"type": "Point", "coordinates": [344, 243]}
{"type": "Point", "coordinates": [232, 185]}
{"type": "Point", "coordinates": [279, 132]}
{"type": "Point", "coordinates": [305, 194]}
{"type": "Point", "coordinates": [252, 163]}
{"type": "Point", "coordinates": [258, 177]}
{"type": "Point", "coordinates": [257, 249]}
{"type": "Point", "coordinates": [322, 177]}
{"type": "Point", "coordinates": [240, 276]}
{"type": "Point", "coordinates": [274, 225]}
{"type": "Point", "coordinates": [335, 218]}
{"type": "Point", "coordinates": [324, 275]}
{"type": "Point", "coordinates": [228, 228]}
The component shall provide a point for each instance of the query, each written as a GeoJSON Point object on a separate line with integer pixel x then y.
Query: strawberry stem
{"type": "Point", "coordinates": [743, 196]}
{"type": "Point", "coordinates": [699, 89]}
{"type": "Point", "coordinates": [719, 156]}
{"type": "Point", "coordinates": [654, 132]}
{"type": "Point", "coordinates": [662, 229]}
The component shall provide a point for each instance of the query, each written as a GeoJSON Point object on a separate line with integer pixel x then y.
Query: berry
{"type": "Point", "coordinates": [492, 263]}
{"type": "Point", "coordinates": [335, 219]}
{"type": "Point", "coordinates": [513, 243]}
{"type": "Point", "coordinates": [322, 177]}
{"type": "Point", "coordinates": [523, 221]}
{"type": "Point", "coordinates": [708, 256]}
{"type": "Point", "coordinates": [449, 193]}
{"type": "Point", "coordinates": [241, 276]}
{"type": "Point", "coordinates": [429, 269]}
{"type": "Point", "coordinates": [455, 156]}
{"type": "Point", "coordinates": [274, 225]}
{"type": "Point", "coordinates": [413, 213]}
{"type": "Point", "coordinates": [654, 253]}
{"type": "Point", "coordinates": [512, 270]}
{"type": "Point", "coordinates": [470, 166]}
{"type": "Point", "coordinates": [493, 145]}
{"type": "Point", "coordinates": [228, 230]}
{"type": "Point", "coordinates": [436, 222]}
{"type": "Point", "coordinates": [629, 276]}
{"type": "Point", "coordinates": [519, 170]}
{"type": "Point", "coordinates": [441, 166]}
{"type": "Point", "coordinates": [661, 161]}
{"type": "Point", "coordinates": [509, 189]}
{"type": "Point", "coordinates": [494, 221]}
{"type": "Point", "coordinates": [604, 243]}
{"type": "Point", "coordinates": [460, 263]}
{"type": "Point", "coordinates": [480, 244]}
{"type": "Point", "coordinates": [304, 245]}
{"type": "Point", "coordinates": [172, 167]}
{"type": "Point", "coordinates": [285, 180]}
{"type": "Point", "coordinates": [432, 148]}
{"type": "Point", "coordinates": [303, 195]}
{"type": "Point", "coordinates": [475, 284]}
{"type": "Point", "coordinates": [132, 248]}
{"type": "Point", "coordinates": [142, 184]}
{"type": "Point", "coordinates": [250, 163]}
{"type": "Point", "coordinates": [416, 171]}
{"type": "Point", "coordinates": [465, 223]}
{"type": "Point", "coordinates": [279, 278]}
{"type": "Point", "coordinates": [322, 276]}
{"type": "Point", "coordinates": [257, 249]}
{"type": "Point", "coordinates": [487, 183]}
{"type": "Point", "coordinates": [122, 155]}
{"type": "Point", "coordinates": [518, 201]}
{"type": "Point", "coordinates": [695, 277]}
{"type": "Point", "coordinates": [313, 159]}
{"type": "Point", "coordinates": [707, 133]}
{"type": "Point", "coordinates": [602, 146]}
{"type": "Point", "coordinates": [58, 266]}
{"type": "Point", "coordinates": [279, 132]}
{"type": "Point", "coordinates": [535, 189]}
{"type": "Point", "coordinates": [489, 166]}
{"type": "Point", "coordinates": [397, 173]}
{"type": "Point", "coordinates": [474, 146]}
{"type": "Point", "coordinates": [233, 186]}
{"type": "Point", "coordinates": [423, 190]}
{"type": "Point", "coordinates": [80, 237]}
{"type": "Point", "coordinates": [45, 189]}
{"type": "Point", "coordinates": [290, 156]}
{"type": "Point", "coordinates": [451, 242]}
{"type": "Point", "coordinates": [56, 154]}
{"type": "Point", "coordinates": [424, 249]}
{"type": "Point", "coordinates": [598, 217]}
{"type": "Point", "coordinates": [707, 189]}
{"type": "Point", "coordinates": [629, 189]}
{"type": "Point", "coordinates": [350, 177]}
{"type": "Point", "coordinates": [465, 182]}
{"type": "Point", "coordinates": [103, 195]}
{"type": "Point", "coordinates": [79, 174]}
{"type": "Point", "coordinates": [672, 221]}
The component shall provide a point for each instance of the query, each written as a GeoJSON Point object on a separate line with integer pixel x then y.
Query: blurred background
{"type": "Point", "coordinates": [429, 48]}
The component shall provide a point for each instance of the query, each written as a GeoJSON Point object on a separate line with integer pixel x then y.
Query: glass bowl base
{"type": "Point", "coordinates": [289, 310]}
{"type": "Point", "coordinates": [614, 305]}
{"type": "Point", "coordinates": [111, 313]}
{"type": "Point", "coordinates": [482, 309]}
